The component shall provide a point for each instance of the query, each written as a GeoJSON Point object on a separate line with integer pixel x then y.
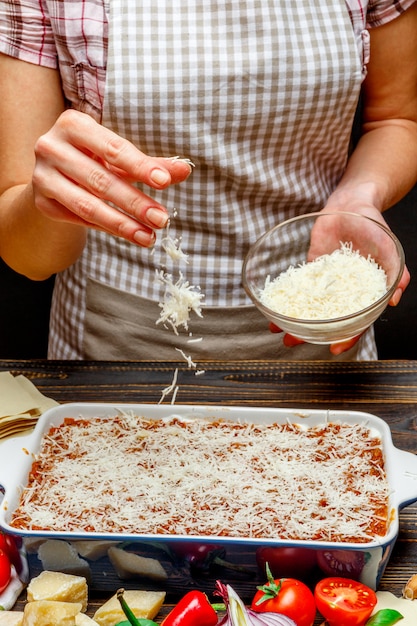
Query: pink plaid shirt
{"type": "Point", "coordinates": [74, 35]}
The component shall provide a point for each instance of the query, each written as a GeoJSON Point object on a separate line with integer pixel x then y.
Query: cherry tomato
{"type": "Point", "coordinates": [287, 561]}
{"type": "Point", "coordinates": [344, 602]}
{"type": "Point", "coordinates": [5, 571]}
{"type": "Point", "coordinates": [287, 596]}
{"type": "Point", "coordinates": [342, 563]}
{"type": "Point", "coordinates": [9, 545]}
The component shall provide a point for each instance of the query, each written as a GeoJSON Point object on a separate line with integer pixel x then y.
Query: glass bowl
{"type": "Point", "coordinates": [300, 240]}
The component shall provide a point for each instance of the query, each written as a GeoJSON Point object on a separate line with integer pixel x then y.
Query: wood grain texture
{"type": "Point", "coordinates": [387, 389]}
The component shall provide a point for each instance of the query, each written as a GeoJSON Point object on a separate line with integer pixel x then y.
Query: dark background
{"type": "Point", "coordinates": [396, 329]}
{"type": "Point", "coordinates": [24, 304]}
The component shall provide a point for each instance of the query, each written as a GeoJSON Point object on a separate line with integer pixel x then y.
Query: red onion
{"type": "Point", "coordinates": [240, 615]}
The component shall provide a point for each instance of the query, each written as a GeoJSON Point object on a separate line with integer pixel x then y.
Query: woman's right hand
{"type": "Point", "coordinates": [82, 166]}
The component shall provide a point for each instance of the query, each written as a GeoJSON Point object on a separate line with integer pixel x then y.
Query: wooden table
{"type": "Point", "coordinates": [387, 389]}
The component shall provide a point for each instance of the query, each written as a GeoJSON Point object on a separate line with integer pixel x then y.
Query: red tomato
{"type": "Point", "coordinates": [344, 602]}
{"type": "Point", "coordinates": [9, 545]}
{"type": "Point", "coordinates": [287, 561]}
{"type": "Point", "coordinates": [5, 571]}
{"type": "Point", "coordinates": [287, 596]}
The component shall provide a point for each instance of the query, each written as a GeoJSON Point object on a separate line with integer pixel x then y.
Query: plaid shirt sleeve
{"type": "Point", "coordinates": [26, 32]}
{"type": "Point", "coordinates": [383, 11]}
{"type": "Point", "coordinates": [71, 35]}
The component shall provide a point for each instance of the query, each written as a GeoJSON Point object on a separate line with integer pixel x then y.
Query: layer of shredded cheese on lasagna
{"type": "Point", "coordinates": [204, 477]}
{"type": "Point", "coordinates": [331, 286]}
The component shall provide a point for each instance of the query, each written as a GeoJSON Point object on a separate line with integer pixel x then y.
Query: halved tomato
{"type": "Point", "coordinates": [344, 602]}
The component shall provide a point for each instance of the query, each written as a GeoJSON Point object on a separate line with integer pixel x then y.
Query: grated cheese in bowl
{"type": "Point", "coordinates": [331, 286]}
{"type": "Point", "coordinates": [358, 264]}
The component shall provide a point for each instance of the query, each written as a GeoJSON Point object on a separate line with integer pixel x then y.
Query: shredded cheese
{"type": "Point", "coordinates": [208, 478]}
{"type": "Point", "coordinates": [180, 298]}
{"type": "Point", "coordinates": [171, 389]}
{"type": "Point", "coordinates": [331, 286]}
{"type": "Point", "coordinates": [172, 247]}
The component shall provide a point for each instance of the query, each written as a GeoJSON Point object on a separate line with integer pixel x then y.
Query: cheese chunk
{"type": "Point", "coordinates": [11, 618]}
{"type": "Point", "coordinates": [59, 587]}
{"type": "Point", "coordinates": [407, 608]}
{"type": "Point", "coordinates": [94, 549]}
{"type": "Point", "coordinates": [83, 620]}
{"type": "Point", "coordinates": [50, 613]}
{"type": "Point", "coordinates": [131, 565]}
{"type": "Point", "coordinates": [61, 556]}
{"type": "Point", "coordinates": [144, 604]}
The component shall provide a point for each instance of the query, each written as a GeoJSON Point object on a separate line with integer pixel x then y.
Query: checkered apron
{"type": "Point", "coordinates": [260, 95]}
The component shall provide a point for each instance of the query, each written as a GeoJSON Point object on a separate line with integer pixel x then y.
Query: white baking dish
{"type": "Point", "coordinates": [17, 455]}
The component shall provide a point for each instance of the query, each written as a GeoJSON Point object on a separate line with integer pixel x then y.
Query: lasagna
{"type": "Point", "coordinates": [200, 477]}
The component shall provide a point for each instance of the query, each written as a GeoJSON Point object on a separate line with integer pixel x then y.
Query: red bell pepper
{"type": "Point", "coordinates": [194, 609]}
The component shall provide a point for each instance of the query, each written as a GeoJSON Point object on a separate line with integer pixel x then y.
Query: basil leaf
{"type": "Point", "coordinates": [384, 617]}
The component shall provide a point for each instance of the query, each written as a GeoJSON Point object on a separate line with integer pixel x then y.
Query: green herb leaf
{"type": "Point", "coordinates": [384, 617]}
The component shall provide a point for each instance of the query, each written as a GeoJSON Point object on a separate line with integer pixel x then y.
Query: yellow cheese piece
{"type": "Point", "coordinates": [59, 587]}
{"type": "Point", "coordinates": [131, 565]}
{"type": "Point", "coordinates": [50, 613]}
{"type": "Point", "coordinates": [93, 549]}
{"type": "Point", "coordinates": [144, 604]}
{"type": "Point", "coordinates": [407, 608]}
{"type": "Point", "coordinates": [83, 620]}
{"type": "Point", "coordinates": [60, 556]}
{"type": "Point", "coordinates": [11, 618]}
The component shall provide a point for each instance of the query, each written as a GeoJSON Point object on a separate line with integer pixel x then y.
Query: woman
{"type": "Point", "coordinates": [259, 96]}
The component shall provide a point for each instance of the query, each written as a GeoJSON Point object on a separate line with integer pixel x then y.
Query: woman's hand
{"type": "Point", "coordinates": [326, 237]}
{"type": "Point", "coordinates": [82, 166]}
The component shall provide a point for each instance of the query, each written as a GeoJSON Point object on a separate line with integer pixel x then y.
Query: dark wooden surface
{"type": "Point", "coordinates": [387, 389]}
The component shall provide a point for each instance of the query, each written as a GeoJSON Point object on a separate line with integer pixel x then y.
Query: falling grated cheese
{"type": "Point", "coordinates": [173, 247]}
{"type": "Point", "coordinates": [180, 298]}
{"type": "Point", "coordinates": [331, 286]}
{"type": "Point", "coordinates": [208, 478]}
{"type": "Point", "coordinates": [172, 388]}
{"type": "Point", "coordinates": [187, 358]}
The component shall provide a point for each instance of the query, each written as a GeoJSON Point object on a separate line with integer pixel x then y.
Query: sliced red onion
{"type": "Point", "coordinates": [240, 615]}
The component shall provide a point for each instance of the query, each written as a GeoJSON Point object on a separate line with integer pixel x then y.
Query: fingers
{"type": "Point", "coordinates": [402, 286]}
{"type": "Point", "coordinates": [343, 346]}
{"type": "Point", "coordinates": [81, 167]}
{"type": "Point", "coordinates": [336, 348]}
{"type": "Point", "coordinates": [274, 328]}
{"type": "Point", "coordinates": [82, 131]}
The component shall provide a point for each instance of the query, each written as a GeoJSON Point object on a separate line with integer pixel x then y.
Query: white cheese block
{"type": "Point", "coordinates": [61, 556]}
{"type": "Point", "coordinates": [83, 620]}
{"type": "Point", "coordinates": [144, 605]}
{"type": "Point", "coordinates": [407, 608]}
{"type": "Point", "coordinates": [50, 613]}
{"type": "Point", "coordinates": [93, 549]}
{"type": "Point", "coordinates": [130, 565]}
{"type": "Point", "coordinates": [59, 587]}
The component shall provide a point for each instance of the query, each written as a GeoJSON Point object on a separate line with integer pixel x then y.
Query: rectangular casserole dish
{"type": "Point", "coordinates": [17, 455]}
